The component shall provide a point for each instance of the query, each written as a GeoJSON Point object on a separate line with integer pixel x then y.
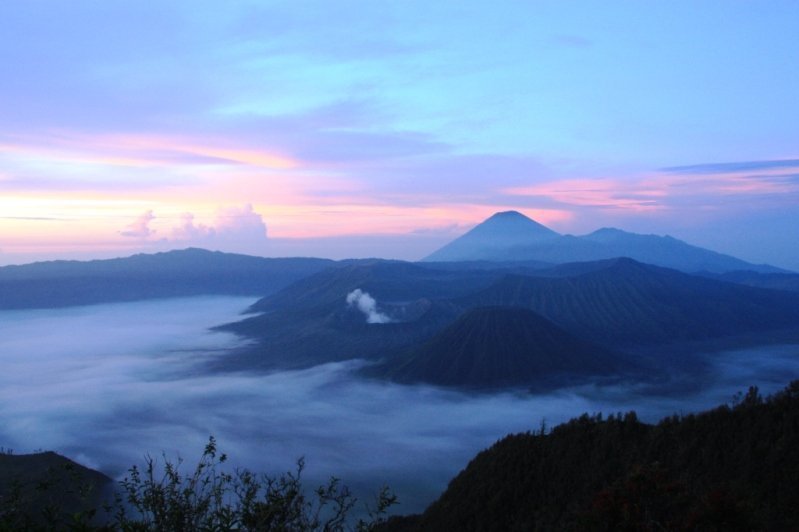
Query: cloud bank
{"type": "Point", "coordinates": [239, 229]}
{"type": "Point", "coordinates": [234, 229]}
{"type": "Point", "coordinates": [140, 228]}
{"type": "Point", "coordinates": [108, 383]}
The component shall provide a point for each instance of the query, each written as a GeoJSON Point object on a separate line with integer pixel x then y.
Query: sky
{"type": "Point", "coordinates": [363, 128]}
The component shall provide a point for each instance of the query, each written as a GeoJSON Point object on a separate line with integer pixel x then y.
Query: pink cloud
{"type": "Point", "coordinates": [667, 191]}
{"type": "Point", "coordinates": [140, 228]}
{"type": "Point", "coordinates": [143, 150]}
{"type": "Point", "coordinates": [188, 230]}
{"type": "Point", "coordinates": [601, 193]}
{"type": "Point", "coordinates": [764, 182]}
{"type": "Point", "coordinates": [238, 229]}
{"type": "Point", "coordinates": [241, 223]}
{"type": "Point", "coordinates": [235, 229]}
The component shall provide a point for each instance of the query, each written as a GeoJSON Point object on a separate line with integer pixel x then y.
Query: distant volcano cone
{"type": "Point", "coordinates": [501, 346]}
{"type": "Point", "coordinates": [512, 237]}
{"type": "Point", "coordinates": [502, 231]}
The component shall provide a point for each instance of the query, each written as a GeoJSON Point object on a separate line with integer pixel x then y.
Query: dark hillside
{"type": "Point", "coordinates": [726, 469]}
{"type": "Point", "coordinates": [282, 341]}
{"type": "Point", "coordinates": [181, 273]}
{"type": "Point", "coordinates": [388, 281]}
{"type": "Point", "coordinates": [617, 303]}
{"type": "Point", "coordinates": [503, 347]}
{"type": "Point", "coordinates": [35, 485]}
{"type": "Point", "coordinates": [628, 303]}
{"type": "Point", "coordinates": [774, 281]}
{"type": "Point", "coordinates": [524, 267]}
{"type": "Point", "coordinates": [310, 322]}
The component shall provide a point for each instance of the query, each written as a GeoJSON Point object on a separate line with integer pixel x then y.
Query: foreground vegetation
{"type": "Point", "coordinates": [162, 498]}
{"type": "Point", "coordinates": [732, 468]}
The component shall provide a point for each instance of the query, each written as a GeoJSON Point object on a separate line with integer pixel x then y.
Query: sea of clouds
{"type": "Point", "coordinates": [107, 384]}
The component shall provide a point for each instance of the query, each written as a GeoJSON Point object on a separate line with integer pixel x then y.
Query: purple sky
{"type": "Point", "coordinates": [388, 128]}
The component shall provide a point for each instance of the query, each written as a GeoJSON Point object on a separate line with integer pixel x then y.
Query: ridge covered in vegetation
{"type": "Point", "coordinates": [732, 468]}
{"type": "Point", "coordinates": [45, 492]}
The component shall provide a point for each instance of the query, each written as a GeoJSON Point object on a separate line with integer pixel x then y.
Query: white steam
{"type": "Point", "coordinates": [367, 305]}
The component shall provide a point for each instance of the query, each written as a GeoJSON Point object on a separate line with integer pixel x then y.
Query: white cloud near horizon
{"type": "Point", "coordinates": [140, 227]}
{"type": "Point", "coordinates": [234, 229]}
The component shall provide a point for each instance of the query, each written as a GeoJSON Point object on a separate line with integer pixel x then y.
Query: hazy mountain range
{"type": "Point", "coordinates": [489, 310]}
{"type": "Point", "coordinates": [511, 236]}
{"type": "Point", "coordinates": [171, 274]}
{"type": "Point", "coordinates": [485, 311]}
{"type": "Point", "coordinates": [448, 327]}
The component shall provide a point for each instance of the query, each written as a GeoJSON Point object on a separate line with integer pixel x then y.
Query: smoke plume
{"type": "Point", "coordinates": [367, 305]}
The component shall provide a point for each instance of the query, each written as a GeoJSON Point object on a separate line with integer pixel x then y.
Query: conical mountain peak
{"type": "Point", "coordinates": [507, 214]}
{"type": "Point", "coordinates": [500, 232]}
{"type": "Point", "coordinates": [501, 346]}
{"type": "Point", "coordinates": [517, 222]}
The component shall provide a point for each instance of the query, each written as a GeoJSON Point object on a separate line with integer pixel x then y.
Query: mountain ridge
{"type": "Point", "coordinates": [532, 241]}
{"type": "Point", "coordinates": [623, 302]}
{"type": "Point", "coordinates": [177, 273]}
{"type": "Point", "coordinates": [619, 304]}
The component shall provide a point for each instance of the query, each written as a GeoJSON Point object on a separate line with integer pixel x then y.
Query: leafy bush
{"type": "Point", "coordinates": [207, 499]}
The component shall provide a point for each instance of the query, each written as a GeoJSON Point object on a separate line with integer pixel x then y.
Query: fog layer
{"type": "Point", "coordinates": [106, 384]}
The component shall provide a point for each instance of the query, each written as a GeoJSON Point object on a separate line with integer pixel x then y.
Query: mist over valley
{"type": "Point", "coordinates": [104, 384]}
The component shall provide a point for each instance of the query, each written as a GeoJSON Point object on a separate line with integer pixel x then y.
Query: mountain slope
{"type": "Point", "coordinates": [618, 304]}
{"type": "Point", "coordinates": [726, 469]}
{"type": "Point", "coordinates": [37, 485]}
{"type": "Point", "coordinates": [148, 276]}
{"type": "Point", "coordinates": [391, 281]}
{"type": "Point", "coordinates": [495, 347]}
{"type": "Point", "coordinates": [311, 322]}
{"type": "Point", "coordinates": [666, 251]}
{"type": "Point", "coordinates": [774, 281]}
{"type": "Point", "coordinates": [622, 302]}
